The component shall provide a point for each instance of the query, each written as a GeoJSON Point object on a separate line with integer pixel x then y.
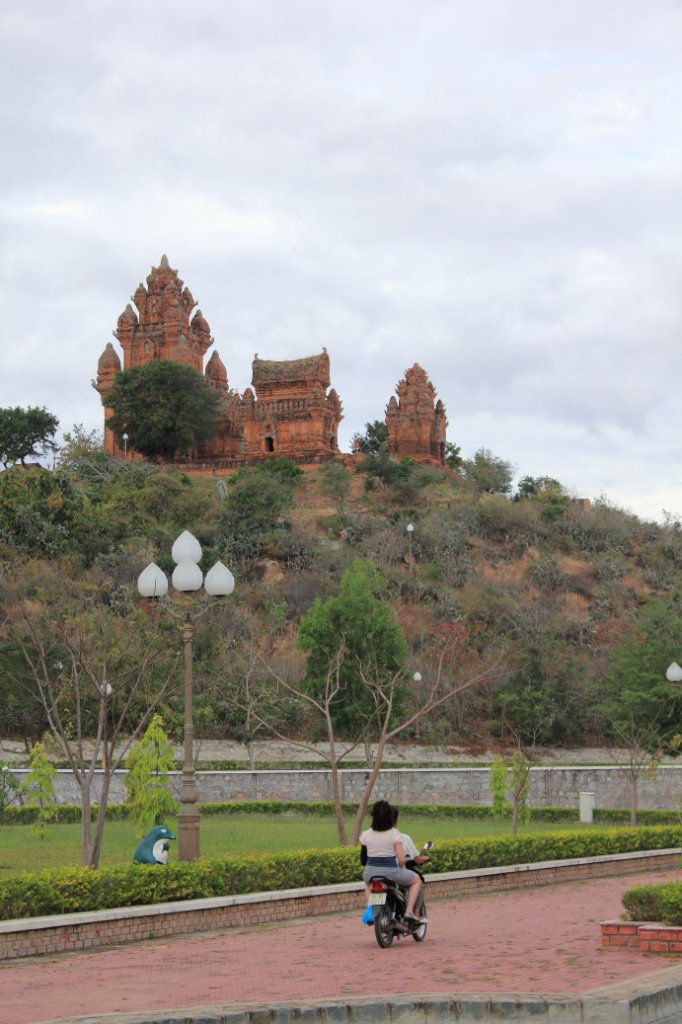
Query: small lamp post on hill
{"type": "Point", "coordinates": [187, 578]}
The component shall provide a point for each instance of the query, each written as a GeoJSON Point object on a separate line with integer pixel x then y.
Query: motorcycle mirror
{"type": "Point", "coordinates": [428, 845]}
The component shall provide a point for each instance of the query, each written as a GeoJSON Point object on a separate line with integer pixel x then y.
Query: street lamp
{"type": "Point", "coordinates": [125, 447]}
{"type": "Point", "coordinates": [410, 530]}
{"type": "Point", "coordinates": [187, 578]}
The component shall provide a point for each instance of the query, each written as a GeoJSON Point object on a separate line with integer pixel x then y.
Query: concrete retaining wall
{"type": "Point", "coordinates": [550, 787]}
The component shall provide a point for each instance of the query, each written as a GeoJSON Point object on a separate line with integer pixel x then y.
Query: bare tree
{"type": "Point", "coordinates": [446, 681]}
{"type": "Point", "coordinates": [321, 705]}
{"type": "Point", "coordinates": [638, 754]}
{"type": "Point", "coordinates": [95, 673]}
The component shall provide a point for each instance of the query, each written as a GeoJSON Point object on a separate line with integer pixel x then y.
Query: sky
{"type": "Point", "coordinates": [491, 188]}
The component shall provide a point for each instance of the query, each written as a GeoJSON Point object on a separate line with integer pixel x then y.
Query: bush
{"type": "Point", "coordinates": [60, 891]}
{"type": "Point", "coordinates": [660, 903]}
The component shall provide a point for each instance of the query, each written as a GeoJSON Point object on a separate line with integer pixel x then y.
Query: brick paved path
{"type": "Point", "coordinates": [542, 941]}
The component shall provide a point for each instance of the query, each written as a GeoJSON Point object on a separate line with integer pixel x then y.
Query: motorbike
{"type": "Point", "coordinates": [388, 901]}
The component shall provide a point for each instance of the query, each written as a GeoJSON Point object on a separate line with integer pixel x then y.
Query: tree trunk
{"type": "Point", "coordinates": [96, 848]}
{"type": "Point", "coordinates": [86, 824]}
{"type": "Point", "coordinates": [336, 797]}
{"type": "Point", "coordinates": [634, 801]}
{"type": "Point", "coordinates": [369, 786]}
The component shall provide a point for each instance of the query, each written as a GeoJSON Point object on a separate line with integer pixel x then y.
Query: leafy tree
{"type": "Point", "coordinates": [38, 787]}
{"type": "Point", "coordinates": [538, 486]}
{"type": "Point", "coordinates": [147, 786]}
{"type": "Point", "coordinates": [25, 433]}
{"type": "Point", "coordinates": [547, 492]}
{"type": "Point", "coordinates": [164, 407]}
{"type": "Point", "coordinates": [357, 621]}
{"type": "Point", "coordinates": [636, 693]}
{"type": "Point", "coordinates": [9, 786]}
{"type": "Point", "coordinates": [336, 481]}
{"type": "Point", "coordinates": [453, 456]}
{"type": "Point", "coordinates": [80, 447]}
{"type": "Point", "coordinates": [256, 501]}
{"type": "Point", "coordinates": [374, 441]}
{"type": "Point", "coordinates": [488, 473]}
{"type": "Point", "coordinates": [497, 783]}
{"type": "Point", "coordinates": [519, 788]}
{"type": "Point", "coordinates": [42, 513]}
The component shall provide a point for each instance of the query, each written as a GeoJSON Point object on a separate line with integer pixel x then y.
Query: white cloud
{"type": "Point", "coordinates": [491, 189]}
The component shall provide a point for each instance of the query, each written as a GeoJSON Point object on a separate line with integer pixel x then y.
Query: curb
{"type": "Point", "coordinates": [652, 999]}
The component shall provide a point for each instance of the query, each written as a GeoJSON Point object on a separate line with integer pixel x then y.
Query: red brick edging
{"type": "Point", "coordinates": [646, 937]}
{"type": "Point", "coordinates": [94, 929]}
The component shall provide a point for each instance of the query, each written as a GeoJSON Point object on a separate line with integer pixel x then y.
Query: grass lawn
{"type": "Point", "coordinates": [22, 848]}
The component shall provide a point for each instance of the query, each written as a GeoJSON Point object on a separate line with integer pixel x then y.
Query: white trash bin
{"type": "Point", "coordinates": [586, 808]}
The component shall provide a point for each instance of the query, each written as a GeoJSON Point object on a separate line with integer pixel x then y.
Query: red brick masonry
{"type": "Point", "coordinates": [94, 929]}
{"type": "Point", "coordinates": [647, 938]}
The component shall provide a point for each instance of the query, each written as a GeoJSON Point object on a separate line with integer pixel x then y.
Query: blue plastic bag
{"type": "Point", "coordinates": [368, 916]}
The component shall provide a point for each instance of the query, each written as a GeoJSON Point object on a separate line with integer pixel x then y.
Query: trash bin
{"type": "Point", "coordinates": [586, 808]}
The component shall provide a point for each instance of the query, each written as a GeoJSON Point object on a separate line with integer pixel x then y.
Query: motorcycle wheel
{"type": "Point", "coordinates": [419, 934]}
{"type": "Point", "coordinates": [383, 927]}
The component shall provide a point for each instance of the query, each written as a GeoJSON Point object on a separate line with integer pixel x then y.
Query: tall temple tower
{"type": "Point", "coordinates": [416, 421]}
{"type": "Point", "coordinates": [291, 414]}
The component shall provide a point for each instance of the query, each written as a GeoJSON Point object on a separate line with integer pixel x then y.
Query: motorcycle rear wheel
{"type": "Point", "coordinates": [419, 934]}
{"type": "Point", "coordinates": [383, 927]}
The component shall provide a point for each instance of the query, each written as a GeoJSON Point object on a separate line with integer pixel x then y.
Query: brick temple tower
{"type": "Point", "coordinates": [416, 421]}
{"type": "Point", "coordinates": [292, 413]}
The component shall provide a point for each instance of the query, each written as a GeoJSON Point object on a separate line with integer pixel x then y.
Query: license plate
{"type": "Point", "coordinates": [376, 899]}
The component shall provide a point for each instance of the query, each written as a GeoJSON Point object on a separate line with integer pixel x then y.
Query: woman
{"type": "Point", "coordinates": [386, 856]}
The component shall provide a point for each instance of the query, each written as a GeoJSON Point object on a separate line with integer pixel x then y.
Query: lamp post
{"type": "Point", "coordinates": [410, 530]}
{"type": "Point", "coordinates": [187, 578]}
{"type": "Point", "coordinates": [125, 447]}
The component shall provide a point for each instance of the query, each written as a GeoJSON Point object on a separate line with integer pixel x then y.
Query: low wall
{"type": "Point", "coordinates": [550, 787]}
{"type": "Point", "coordinates": [94, 929]}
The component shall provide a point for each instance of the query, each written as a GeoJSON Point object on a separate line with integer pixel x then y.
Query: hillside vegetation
{"type": "Point", "coordinates": [557, 594]}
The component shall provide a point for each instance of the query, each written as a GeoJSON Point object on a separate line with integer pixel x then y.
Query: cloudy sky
{"type": "Point", "coordinates": [492, 188]}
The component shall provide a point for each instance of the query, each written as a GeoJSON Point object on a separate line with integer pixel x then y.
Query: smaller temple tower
{"type": "Point", "coordinates": [416, 421]}
{"type": "Point", "coordinates": [291, 414]}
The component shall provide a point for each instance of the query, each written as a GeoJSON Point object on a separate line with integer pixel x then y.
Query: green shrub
{"type": "Point", "coordinates": [660, 903]}
{"type": "Point", "coordinates": [59, 891]}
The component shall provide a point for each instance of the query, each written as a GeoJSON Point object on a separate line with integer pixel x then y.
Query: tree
{"type": "Point", "coordinates": [383, 695]}
{"type": "Point", "coordinates": [641, 709]}
{"type": "Point", "coordinates": [164, 407]}
{"type": "Point", "coordinates": [453, 456]}
{"type": "Point", "coordinates": [357, 622]}
{"type": "Point", "coordinates": [336, 482]}
{"type": "Point", "coordinates": [147, 786]}
{"type": "Point", "coordinates": [635, 689]}
{"type": "Point", "coordinates": [519, 788]}
{"type": "Point", "coordinates": [41, 513]}
{"type": "Point", "coordinates": [98, 673]}
{"type": "Point", "coordinates": [9, 786]}
{"type": "Point", "coordinates": [488, 473]}
{"type": "Point", "coordinates": [25, 433]}
{"type": "Point", "coordinates": [497, 783]}
{"type": "Point", "coordinates": [80, 447]}
{"type": "Point", "coordinates": [38, 787]}
{"type": "Point", "coordinates": [374, 441]}
{"type": "Point", "coordinates": [257, 500]}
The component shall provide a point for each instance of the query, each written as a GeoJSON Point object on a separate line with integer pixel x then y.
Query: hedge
{"type": "Point", "coordinates": [70, 813]}
{"type": "Point", "coordinates": [659, 903]}
{"type": "Point", "coordinates": [59, 891]}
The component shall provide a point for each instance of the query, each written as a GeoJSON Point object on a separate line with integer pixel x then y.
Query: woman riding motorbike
{"type": "Point", "coordinates": [386, 855]}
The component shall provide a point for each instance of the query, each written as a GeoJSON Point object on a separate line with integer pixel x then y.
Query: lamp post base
{"type": "Point", "coordinates": [188, 832]}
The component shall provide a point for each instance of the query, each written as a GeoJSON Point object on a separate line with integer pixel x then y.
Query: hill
{"type": "Point", "coordinates": [548, 588]}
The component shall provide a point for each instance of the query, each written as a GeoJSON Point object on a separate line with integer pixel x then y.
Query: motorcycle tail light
{"type": "Point", "coordinates": [376, 886]}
